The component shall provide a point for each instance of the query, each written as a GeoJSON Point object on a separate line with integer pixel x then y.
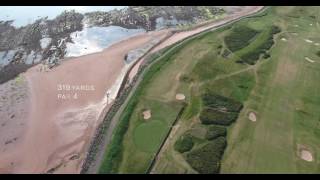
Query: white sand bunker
{"type": "Point", "coordinates": [283, 39]}
{"type": "Point", "coordinates": [296, 25]}
{"type": "Point", "coordinates": [308, 41]}
{"type": "Point", "coordinates": [252, 117]}
{"type": "Point", "coordinates": [180, 96]}
{"type": "Point", "coordinates": [309, 60]}
{"type": "Point", "coordinates": [146, 114]}
{"type": "Point", "coordinates": [311, 24]}
{"type": "Point", "coordinates": [317, 44]}
{"type": "Point", "coordinates": [306, 155]}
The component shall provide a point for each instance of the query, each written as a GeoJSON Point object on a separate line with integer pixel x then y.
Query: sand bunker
{"type": "Point", "coordinates": [252, 117]}
{"type": "Point", "coordinates": [180, 96]}
{"type": "Point", "coordinates": [283, 39]}
{"type": "Point", "coordinates": [306, 155]}
{"type": "Point", "coordinates": [317, 44]}
{"type": "Point", "coordinates": [308, 41]}
{"type": "Point", "coordinates": [146, 114]}
{"type": "Point", "coordinates": [296, 25]}
{"type": "Point", "coordinates": [309, 60]}
{"type": "Point", "coordinates": [311, 24]}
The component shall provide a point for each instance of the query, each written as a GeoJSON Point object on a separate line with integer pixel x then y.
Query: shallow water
{"type": "Point", "coordinates": [95, 39]}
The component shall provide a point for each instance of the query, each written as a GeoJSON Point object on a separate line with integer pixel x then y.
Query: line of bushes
{"type": "Point", "coordinates": [219, 112]}
{"type": "Point", "coordinates": [206, 159]}
{"type": "Point", "coordinates": [254, 55]}
{"type": "Point", "coordinates": [239, 37]}
{"type": "Point", "coordinates": [220, 102]}
{"type": "Point", "coordinates": [212, 116]}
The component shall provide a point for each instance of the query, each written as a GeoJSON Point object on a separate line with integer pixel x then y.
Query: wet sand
{"type": "Point", "coordinates": [58, 128]}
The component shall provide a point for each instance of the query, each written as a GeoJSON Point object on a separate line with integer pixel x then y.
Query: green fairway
{"type": "Point", "coordinates": [154, 129]}
{"type": "Point", "coordinates": [286, 101]}
{"type": "Point", "coordinates": [281, 89]}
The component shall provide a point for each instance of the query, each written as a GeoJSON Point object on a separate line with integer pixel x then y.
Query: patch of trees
{"type": "Point", "coordinates": [225, 53]}
{"type": "Point", "coordinates": [318, 53]}
{"type": "Point", "coordinates": [220, 102]}
{"type": "Point", "coordinates": [219, 112]}
{"type": "Point", "coordinates": [254, 55]}
{"type": "Point", "coordinates": [184, 144]}
{"type": "Point", "coordinates": [212, 116]}
{"type": "Point", "coordinates": [215, 131]}
{"type": "Point", "coordinates": [240, 37]}
{"type": "Point", "coordinates": [206, 159]}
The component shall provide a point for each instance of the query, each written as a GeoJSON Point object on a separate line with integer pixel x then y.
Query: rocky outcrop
{"type": "Point", "coordinates": [25, 46]}
{"type": "Point", "coordinates": [147, 17]}
{"type": "Point", "coordinates": [46, 40]}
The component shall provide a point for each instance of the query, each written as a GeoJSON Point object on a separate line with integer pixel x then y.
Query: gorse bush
{"type": "Point", "coordinates": [221, 102]}
{"type": "Point", "coordinates": [184, 144]}
{"type": "Point", "coordinates": [215, 131]}
{"type": "Point", "coordinates": [240, 37]}
{"type": "Point", "coordinates": [211, 116]}
{"type": "Point", "coordinates": [206, 160]}
{"type": "Point", "coordinates": [254, 55]}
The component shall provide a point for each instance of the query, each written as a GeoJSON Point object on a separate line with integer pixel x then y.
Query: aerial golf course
{"type": "Point", "coordinates": [240, 99]}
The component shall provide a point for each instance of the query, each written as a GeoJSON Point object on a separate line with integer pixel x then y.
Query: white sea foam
{"type": "Point", "coordinates": [95, 39]}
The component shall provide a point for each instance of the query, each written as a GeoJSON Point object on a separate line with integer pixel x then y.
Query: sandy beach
{"type": "Point", "coordinates": [65, 103]}
{"type": "Point", "coordinates": [62, 105]}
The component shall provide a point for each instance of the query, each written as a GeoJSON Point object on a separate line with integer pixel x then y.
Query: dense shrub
{"type": "Point", "coordinates": [217, 101]}
{"type": "Point", "coordinates": [206, 160]}
{"type": "Point", "coordinates": [239, 37]}
{"type": "Point", "coordinates": [225, 53]}
{"type": "Point", "coordinates": [318, 53]}
{"type": "Point", "coordinates": [186, 79]}
{"type": "Point", "coordinates": [254, 55]}
{"type": "Point", "coordinates": [266, 56]}
{"type": "Point", "coordinates": [184, 144]}
{"type": "Point", "coordinates": [211, 116]}
{"type": "Point", "coordinates": [215, 131]}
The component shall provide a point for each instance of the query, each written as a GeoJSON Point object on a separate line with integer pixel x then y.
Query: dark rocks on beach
{"type": "Point", "coordinates": [145, 16]}
{"type": "Point", "coordinates": [24, 42]}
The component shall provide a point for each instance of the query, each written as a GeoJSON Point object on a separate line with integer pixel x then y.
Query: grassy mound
{"type": "Point", "coordinates": [184, 144]}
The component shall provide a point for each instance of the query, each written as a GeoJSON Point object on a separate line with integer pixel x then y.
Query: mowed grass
{"type": "Point", "coordinates": [281, 90]}
{"type": "Point", "coordinates": [286, 101]}
{"type": "Point", "coordinates": [144, 137]}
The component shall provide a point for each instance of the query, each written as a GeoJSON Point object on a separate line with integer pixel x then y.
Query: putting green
{"type": "Point", "coordinates": [147, 136]}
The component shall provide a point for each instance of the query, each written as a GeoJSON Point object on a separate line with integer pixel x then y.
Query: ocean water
{"type": "Point", "coordinates": [95, 39]}
{"type": "Point", "coordinates": [23, 15]}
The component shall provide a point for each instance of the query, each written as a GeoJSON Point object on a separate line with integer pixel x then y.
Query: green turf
{"type": "Point", "coordinates": [154, 129]}
{"type": "Point", "coordinates": [282, 90]}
